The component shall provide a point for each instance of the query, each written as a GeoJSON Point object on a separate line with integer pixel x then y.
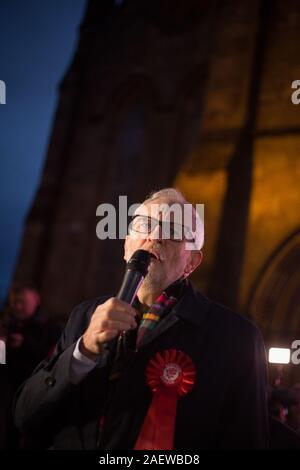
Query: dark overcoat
{"type": "Point", "coordinates": [226, 409]}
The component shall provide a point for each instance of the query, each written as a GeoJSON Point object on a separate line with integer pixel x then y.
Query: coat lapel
{"type": "Point", "coordinates": [193, 307]}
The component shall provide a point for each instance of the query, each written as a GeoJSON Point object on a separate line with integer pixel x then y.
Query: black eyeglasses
{"type": "Point", "coordinates": [169, 230]}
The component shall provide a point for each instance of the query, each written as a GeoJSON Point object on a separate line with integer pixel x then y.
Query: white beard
{"type": "Point", "coordinates": [155, 279]}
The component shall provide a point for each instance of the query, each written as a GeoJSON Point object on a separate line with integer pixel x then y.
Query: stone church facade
{"type": "Point", "coordinates": [194, 94]}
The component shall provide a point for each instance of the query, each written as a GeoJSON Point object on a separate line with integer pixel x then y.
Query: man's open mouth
{"type": "Point", "coordinates": [154, 256]}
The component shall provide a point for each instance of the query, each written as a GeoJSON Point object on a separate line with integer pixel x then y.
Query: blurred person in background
{"type": "Point", "coordinates": [294, 408]}
{"type": "Point", "coordinates": [29, 335]}
{"type": "Point", "coordinates": [282, 434]}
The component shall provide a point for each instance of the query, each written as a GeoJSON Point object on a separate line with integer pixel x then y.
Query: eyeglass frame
{"type": "Point", "coordinates": [160, 223]}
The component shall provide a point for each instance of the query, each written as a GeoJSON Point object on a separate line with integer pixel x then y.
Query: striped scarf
{"type": "Point", "coordinates": [159, 309]}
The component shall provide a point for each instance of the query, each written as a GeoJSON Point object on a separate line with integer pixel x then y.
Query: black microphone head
{"type": "Point", "coordinates": [139, 261]}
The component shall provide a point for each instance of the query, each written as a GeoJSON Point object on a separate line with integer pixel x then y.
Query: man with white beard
{"type": "Point", "coordinates": [191, 373]}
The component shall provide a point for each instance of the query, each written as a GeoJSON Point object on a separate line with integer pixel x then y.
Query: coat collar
{"type": "Point", "coordinates": [193, 307]}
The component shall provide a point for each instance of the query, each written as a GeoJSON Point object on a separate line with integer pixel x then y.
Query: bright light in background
{"type": "Point", "coordinates": [279, 355]}
{"type": "Point", "coordinates": [2, 352]}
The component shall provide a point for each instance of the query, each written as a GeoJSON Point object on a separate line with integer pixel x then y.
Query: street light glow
{"type": "Point", "coordinates": [279, 355]}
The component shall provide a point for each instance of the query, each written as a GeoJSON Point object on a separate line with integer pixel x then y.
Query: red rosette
{"type": "Point", "coordinates": [170, 374]}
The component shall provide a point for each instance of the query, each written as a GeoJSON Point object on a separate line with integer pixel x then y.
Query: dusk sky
{"type": "Point", "coordinates": [37, 42]}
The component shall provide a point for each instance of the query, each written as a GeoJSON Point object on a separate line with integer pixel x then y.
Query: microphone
{"type": "Point", "coordinates": [136, 270]}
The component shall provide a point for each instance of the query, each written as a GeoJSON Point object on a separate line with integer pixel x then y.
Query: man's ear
{"type": "Point", "coordinates": [193, 263]}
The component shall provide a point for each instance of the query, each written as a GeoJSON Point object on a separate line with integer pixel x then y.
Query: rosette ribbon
{"type": "Point", "coordinates": [170, 374]}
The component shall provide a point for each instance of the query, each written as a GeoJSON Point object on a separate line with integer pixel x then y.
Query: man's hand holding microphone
{"type": "Point", "coordinates": [116, 315]}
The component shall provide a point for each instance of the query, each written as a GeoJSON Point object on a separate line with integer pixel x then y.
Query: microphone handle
{"type": "Point", "coordinates": [130, 285]}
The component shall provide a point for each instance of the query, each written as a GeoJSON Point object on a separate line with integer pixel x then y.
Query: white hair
{"type": "Point", "coordinates": [174, 195]}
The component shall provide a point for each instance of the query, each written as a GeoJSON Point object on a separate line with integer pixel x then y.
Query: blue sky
{"type": "Point", "coordinates": [37, 42]}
